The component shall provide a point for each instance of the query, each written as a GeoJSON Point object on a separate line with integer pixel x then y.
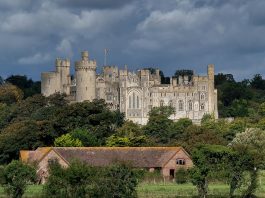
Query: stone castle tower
{"type": "Point", "coordinates": [57, 81]}
{"type": "Point", "coordinates": [134, 93]}
{"type": "Point", "coordinates": [85, 71]}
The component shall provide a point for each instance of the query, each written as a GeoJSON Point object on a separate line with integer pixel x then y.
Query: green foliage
{"type": "Point", "coordinates": [15, 177]}
{"type": "Point", "coordinates": [28, 86]}
{"type": "Point", "coordinates": [257, 82]}
{"type": "Point", "coordinates": [10, 94]}
{"type": "Point", "coordinates": [209, 160]}
{"type": "Point", "coordinates": [22, 135]}
{"type": "Point", "coordinates": [181, 176]}
{"type": "Point", "coordinates": [114, 140]}
{"type": "Point", "coordinates": [80, 180]}
{"type": "Point", "coordinates": [118, 181]}
{"type": "Point", "coordinates": [87, 138]}
{"type": "Point", "coordinates": [93, 116]}
{"type": "Point", "coordinates": [129, 129]}
{"type": "Point", "coordinates": [67, 141]}
{"type": "Point", "coordinates": [75, 181]}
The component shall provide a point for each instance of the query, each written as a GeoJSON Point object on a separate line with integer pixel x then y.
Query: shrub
{"type": "Point", "coordinates": [15, 177]}
{"type": "Point", "coordinates": [181, 176]}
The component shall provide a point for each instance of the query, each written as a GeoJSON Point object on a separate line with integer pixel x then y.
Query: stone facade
{"type": "Point", "coordinates": [134, 93]}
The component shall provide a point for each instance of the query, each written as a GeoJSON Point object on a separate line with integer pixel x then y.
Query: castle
{"type": "Point", "coordinates": [134, 93]}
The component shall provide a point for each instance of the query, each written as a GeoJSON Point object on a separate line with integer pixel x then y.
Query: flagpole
{"type": "Point", "coordinates": [105, 57]}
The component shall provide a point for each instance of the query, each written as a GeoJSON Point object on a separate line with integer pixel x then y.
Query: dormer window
{"type": "Point", "coordinates": [180, 161]}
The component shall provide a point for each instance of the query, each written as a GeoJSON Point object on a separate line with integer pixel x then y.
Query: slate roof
{"type": "Point", "coordinates": [149, 157]}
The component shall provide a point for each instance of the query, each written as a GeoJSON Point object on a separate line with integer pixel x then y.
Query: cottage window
{"type": "Point", "coordinates": [180, 162]}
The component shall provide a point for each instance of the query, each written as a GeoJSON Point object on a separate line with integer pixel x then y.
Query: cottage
{"type": "Point", "coordinates": [165, 159]}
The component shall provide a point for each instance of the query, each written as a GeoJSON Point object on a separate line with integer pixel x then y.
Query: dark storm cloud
{"type": "Point", "coordinates": [93, 4]}
{"type": "Point", "coordinates": [170, 34]}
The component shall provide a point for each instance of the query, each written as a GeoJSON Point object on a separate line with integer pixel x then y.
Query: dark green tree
{"type": "Point", "coordinates": [15, 177]}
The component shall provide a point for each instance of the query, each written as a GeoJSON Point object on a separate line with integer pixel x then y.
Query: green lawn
{"type": "Point", "coordinates": [160, 190]}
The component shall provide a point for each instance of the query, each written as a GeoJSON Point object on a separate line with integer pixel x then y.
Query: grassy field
{"type": "Point", "coordinates": [153, 189]}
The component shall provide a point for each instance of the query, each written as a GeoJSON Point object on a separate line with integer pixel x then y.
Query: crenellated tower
{"type": "Point", "coordinates": [85, 71]}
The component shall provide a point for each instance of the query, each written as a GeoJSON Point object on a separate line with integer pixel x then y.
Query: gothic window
{"type": "Point", "coordinates": [170, 103]}
{"type": "Point", "coordinates": [161, 103]}
{"type": "Point", "coordinates": [202, 96]}
{"type": "Point", "coordinates": [181, 105]}
{"type": "Point", "coordinates": [202, 106]}
{"type": "Point", "coordinates": [190, 105]}
{"type": "Point", "coordinates": [133, 100]}
{"type": "Point", "coordinates": [130, 102]}
{"type": "Point", "coordinates": [138, 103]}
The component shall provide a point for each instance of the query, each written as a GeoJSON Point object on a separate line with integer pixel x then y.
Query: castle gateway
{"type": "Point", "coordinates": [134, 93]}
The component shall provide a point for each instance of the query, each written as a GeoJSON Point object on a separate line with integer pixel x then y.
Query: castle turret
{"type": "Point", "coordinates": [85, 78]}
{"type": "Point", "coordinates": [64, 78]}
{"type": "Point", "coordinates": [211, 91]}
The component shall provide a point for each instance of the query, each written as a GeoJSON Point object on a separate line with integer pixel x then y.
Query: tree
{"type": "Point", "coordinates": [67, 141]}
{"type": "Point", "coordinates": [1, 80]}
{"type": "Point", "coordinates": [209, 160]}
{"type": "Point", "coordinates": [159, 125]}
{"type": "Point", "coordinates": [129, 129]}
{"type": "Point", "coordinates": [126, 141]}
{"type": "Point", "coordinates": [23, 135]}
{"type": "Point", "coordinates": [181, 176]}
{"type": "Point", "coordinates": [15, 178]}
{"type": "Point", "coordinates": [257, 82]}
{"type": "Point", "coordinates": [10, 94]}
{"type": "Point", "coordinates": [93, 116]}
{"type": "Point", "coordinates": [28, 86]}
{"type": "Point", "coordinates": [74, 181]}
{"type": "Point", "coordinates": [253, 140]}
{"type": "Point", "coordinates": [118, 180]}
{"type": "Point", "coordinates": [87, 138]}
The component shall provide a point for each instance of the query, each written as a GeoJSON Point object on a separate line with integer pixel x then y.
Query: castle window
{"type": "Point", "coordinates": [170, 103]}
{"type": "Point", "coordinates": [86, 88]}
{"type": "Point", "coordinates": [161, 94]}
{"type": "Point", "coordinates": [161, 103]}
{"type": "Point", "coordinates": [202, 106]}
{"type": "Point", "coordinates": [190, 105]}
{"type": "Point", "coordinates": [138, 103]}
{"type": "Point", "coordinates": [133, 100]}
{"type": "Point", "coordinates": [202, 96]}
{"type": "Point", "coordinates": [181, 105]}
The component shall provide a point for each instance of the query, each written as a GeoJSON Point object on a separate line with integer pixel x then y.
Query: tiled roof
{"type": "Point", "coordinates": [103, 156]}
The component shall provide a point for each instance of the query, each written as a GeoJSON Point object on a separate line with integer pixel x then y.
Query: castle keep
{"type": "Point", "coordinates": [134, 93]}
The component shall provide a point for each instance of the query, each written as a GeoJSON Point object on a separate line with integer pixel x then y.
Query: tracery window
{"type": "Point", "coordinates": [202, 106]}
{"type": "Point", "coordinates": [181, 105]}
{"type": "Point", "coordinates": [190, 105]}
{"type": "Point", "coordinates": [202, 96]}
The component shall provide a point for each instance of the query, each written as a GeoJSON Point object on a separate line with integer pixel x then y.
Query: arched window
{"type": "Point", "coordinates": [202, 106]}
{"type": "Point", "coordinates": [202, 96]}
{"type": "Point", "coordinates": [161, 103]}
{"type": "Point", "coordinates": [181, 105]}
{"type": "Point", "coordinates": [190, 105]}
{"type": "Point", "coordinates": [133, 100]}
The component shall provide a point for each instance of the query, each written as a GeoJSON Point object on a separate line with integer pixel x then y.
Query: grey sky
{"type": "Point", "coordinates": [169, 34]}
